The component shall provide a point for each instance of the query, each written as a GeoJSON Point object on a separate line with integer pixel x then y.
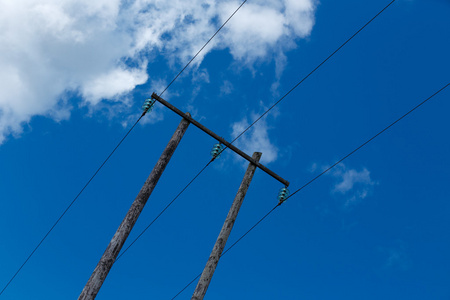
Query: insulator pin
{"type": "Point", "coordinates": [148, 104]}
{"type": "Point", "coordinates": [283, 194]}
{"type": "Point", "coordinates": [216, 150]}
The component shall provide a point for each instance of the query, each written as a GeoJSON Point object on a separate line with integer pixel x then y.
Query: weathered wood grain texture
{"type": "Point", "coordinates": [213, 260]}
{"type": "Point", "coordinates": [109, 256]}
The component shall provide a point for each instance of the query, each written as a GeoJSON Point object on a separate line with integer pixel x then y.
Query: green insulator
{"type": "Point", "coordinates": [283, 194]}
{"type": "Point", "coordinates": [148, 104]}
{"type": "Point", "coordinates": [216, 150]}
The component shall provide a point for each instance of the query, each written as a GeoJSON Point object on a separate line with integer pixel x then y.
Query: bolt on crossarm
{"type": "Point", "coordinates": [220, 139]}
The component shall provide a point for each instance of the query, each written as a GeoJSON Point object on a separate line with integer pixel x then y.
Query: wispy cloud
{"type": "Point", "coordinates": [280, 64]}
{"type": "Point", "coordinates": [349, 178]}
{"type": "Point", "coordinates": [101, 49]}
{"type": "Point", "coordinates": [355, 185]}
{"type": "Point", "coordinates": [256, 139]}
{"type": "Point", "coordinates": [199, 78]}
{"type": "Point", "coordinates": [352, 184]}
{"type": "Point", "coordinates": [226, 88]}
{"type": "Point", "coordinates": [395, 257]}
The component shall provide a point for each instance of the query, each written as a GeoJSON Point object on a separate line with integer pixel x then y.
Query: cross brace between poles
{"type": "Point", "coordinates": [220, 139]}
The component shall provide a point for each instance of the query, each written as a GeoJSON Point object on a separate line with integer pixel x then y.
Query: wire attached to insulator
{"type": "Point", "coordinates": [282, 195]}
{"type": "Point", "coordinates": [148, 105]}
{"type": "Point", "coordinates": [216, 150]}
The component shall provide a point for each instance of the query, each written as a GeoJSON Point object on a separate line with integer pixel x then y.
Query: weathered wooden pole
{"type": "Point", "coordinates": [213, 260]}
{"type": "Point", "coordinates": [104, 265]}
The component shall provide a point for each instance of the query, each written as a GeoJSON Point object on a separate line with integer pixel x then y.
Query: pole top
{"type": "Point", "coordinates": [218, 138]}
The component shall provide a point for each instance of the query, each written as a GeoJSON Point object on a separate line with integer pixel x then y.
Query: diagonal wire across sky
{"type": "Point", "coordinates": [320, 175]}
{"type": "Point", "coordinates": [112, 152]}
{"type": "Point", "coordinates": [259, 118]}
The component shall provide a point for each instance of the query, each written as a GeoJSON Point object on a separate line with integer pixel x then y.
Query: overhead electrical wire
{"type": "Point", "coordinates": [314, 70]}
{"type": "Point", "coordinates": [267, 111]}
{"type": "Point", "coordinates": [228, 249]}
{"type": "Point", "coordinates": [270, 108]}
{"type": "Point", "coordinates": [319, 175]}
{"type": "Point", "coordinates": [368, 141]}
{"type": "Point", "coordinates": [165, 208]}
{"type": "Point", "coordinates": [70, 205]}
{"type": "Point", "coordinates": [175, 78]}
{"type": "Point", "coordinates": [101, 166]}
{"type": "Point", "coordinates": [201, 49]}
{"type": "Point", "coordinates": [201, 171]}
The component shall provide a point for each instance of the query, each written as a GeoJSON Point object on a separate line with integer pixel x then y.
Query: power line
{"type": "Point", "coordinates": [315, 69]}
{"type": "Point", "coordinates": [267, 111]}
{"type": "Point", "coordinates": [89, 181]}
{"type": "Point", "coordinates": [165, 208]}
{"type": "Point", "coordinates": [201, 49]}
{"type": "Point", "coordinates": [192, 281]}
{"type": "Point", "coordinates": [248, 231]}
{"type": "Point", "coordinates": [176, 77]}
{"type": "Point", "coordinates": [201, 171]}
{"type": "Point", "coordinates": [318, 176]}
{"type": "Point", "coordinates": [368, 141]}
{"type": "Point", "coordinates": [70, 205]}
{"type": "Point", "coordinates": [257, 121]}
{"type": "Point", "coordinates": [228, 249]}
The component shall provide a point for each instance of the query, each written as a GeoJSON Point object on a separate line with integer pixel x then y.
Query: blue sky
{"type": "Point", "coordinates": [75, 74]}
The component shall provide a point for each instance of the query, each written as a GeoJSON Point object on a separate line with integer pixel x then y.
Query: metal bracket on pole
{"type": "Point", "coordinates": [220, 139]}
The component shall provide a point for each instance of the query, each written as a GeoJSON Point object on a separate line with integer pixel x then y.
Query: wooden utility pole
{"type": "Point", "coordinates": [213, 260]}
{"type": "Point", "coordinates": [104, 266]}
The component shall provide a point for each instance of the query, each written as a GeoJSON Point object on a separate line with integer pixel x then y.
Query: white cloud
{"type": "Point", "coordinates": [349, 178]}
{"type": "Point", "coordinates": [256, 139]}
{"type": "Point", "coordinates": [101, 49]}
{"type": "Point", "coordinates": [113, 83]}
{"type": "Point", "coordinates": [199, 78]}
{"type": "Point", "coordinates": [280, 64]}
{"type": "Point", "coordinates": [257, 25]}
{"type": "Point", "coordinates": [226, 88]}
{"type": "Point", "coordinates": [356, 185]}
